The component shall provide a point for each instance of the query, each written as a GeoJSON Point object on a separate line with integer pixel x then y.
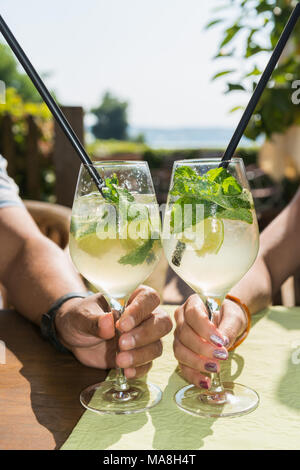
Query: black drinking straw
{"type": "Point", "coordinates": [260, 86]}
{"type": "Point", "coordinates": [52, 105]}
{"type": "Point", "coordinates": [237, 135]}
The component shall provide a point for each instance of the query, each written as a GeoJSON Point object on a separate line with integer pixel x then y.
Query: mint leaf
{"type": "Point", "coordinates": [139, 255]}
{"type": "Point", "coordinates": [244, 215]}
{"type": "Point", "coordinates": [216, 175]}
{"type": "Point", "coordinates": [228, 183]}
{"type": "Point", "coordinates": [120, 197]}
{"type": "Point", "coordinates": [218, 191]}
{"type": "Point", "coordinates": [178, 222]}
{"type": "Point", "coordinates": [80, 230]}
{"type": "Point", "coordinates": [230, 186]}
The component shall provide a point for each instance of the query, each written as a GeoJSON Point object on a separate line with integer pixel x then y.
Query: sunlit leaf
{"type": "Point", "coordinates": [220, 74]}
{"type": "Point", "coordinates": [230, 34]}
{"type": "Point", "coordinates": [236, 108]}
{"type": "Point", "coordinates": [213, 23]}
{"type": "Point", "coordinates": [234, 87]}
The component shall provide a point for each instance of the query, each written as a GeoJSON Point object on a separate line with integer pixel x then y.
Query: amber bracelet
{"type": "Point", "coordinates": [248, 316]}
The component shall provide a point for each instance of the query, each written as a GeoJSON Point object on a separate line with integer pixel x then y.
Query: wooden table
{"type": "Point", "coordinates": [39, 388]}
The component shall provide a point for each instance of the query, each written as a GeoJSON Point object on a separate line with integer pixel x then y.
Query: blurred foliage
{"type": "Point", "coordinates": [254, 20]}
{"type": "Point", "coordinates": [18, 110]}
{"type": "Point", "coordinates": [106, 148]}
{"type": "Point", "coordinates": [11, 76]}
{"type": "Point", "coordinates": [157, 158]}
{"type": "Point", "coordinates": [111, 118]}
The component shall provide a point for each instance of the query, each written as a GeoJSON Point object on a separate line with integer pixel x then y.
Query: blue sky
{"type": "Point", "coordinates": [155, 53]}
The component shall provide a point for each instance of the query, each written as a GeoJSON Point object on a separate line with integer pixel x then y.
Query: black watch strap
{"type": "Point", "coordinates": [48, 320]}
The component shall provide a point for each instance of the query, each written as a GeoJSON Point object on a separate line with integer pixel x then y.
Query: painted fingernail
{"type": "Point", "coordinates": [203, 384]}
{"type": "Point", "coordinates": [127, 323]}
{"type": "Point", "coordinates": [211, 367]}
{"type": "Point", "coordinates": [127, 342]}
{"type": "Point", "coordinates": [226, 341]}
{"type": "Point", "coordinates": [217, 340]}
{"type": "Point", "coordinates": [219, 354]}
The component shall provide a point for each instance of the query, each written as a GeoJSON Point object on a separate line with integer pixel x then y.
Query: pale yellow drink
{"type": "Point", "coordinates": [114, 260]}
{"type": "Point", "coordinates": [216, 256]}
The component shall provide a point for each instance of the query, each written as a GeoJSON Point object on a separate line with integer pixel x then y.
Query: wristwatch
{"type": "Point", "coordinates": [48, 320]}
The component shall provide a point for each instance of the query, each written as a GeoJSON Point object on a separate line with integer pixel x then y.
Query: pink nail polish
{"type": "Point", "coordinates": [217, 340]}
{"type": "Point", "coordinates": [220, 354]}
{"type": "Point", "coordinates": [203, 384]}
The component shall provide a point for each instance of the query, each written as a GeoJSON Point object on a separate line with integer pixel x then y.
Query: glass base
{"type": "Point", "coordinates": [236, 401]}
{"type": "Point", "coordinates": [104, 398]}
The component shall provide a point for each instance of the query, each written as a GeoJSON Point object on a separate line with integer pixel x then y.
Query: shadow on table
{"type": "Point", "coordinates": [108, 430]}
{"type": "Point", "coordinates": [287, 391]}
{"type": "Point", "coordinates": [175, 429]}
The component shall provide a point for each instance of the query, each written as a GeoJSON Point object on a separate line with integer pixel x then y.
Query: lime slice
{"type": "Point", "coordinates": [213, 236]}
{"type": "Point", "coordinates": [94, 246]}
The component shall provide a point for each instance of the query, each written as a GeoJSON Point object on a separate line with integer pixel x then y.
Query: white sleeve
{"type": "Point", "coordinates": [9, 191]}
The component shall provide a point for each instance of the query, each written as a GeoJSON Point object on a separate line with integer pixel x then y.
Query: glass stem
{"type": "Point", "coordinates": [214, 306]}
{"type": "Point", "coordinates": [121, 383]}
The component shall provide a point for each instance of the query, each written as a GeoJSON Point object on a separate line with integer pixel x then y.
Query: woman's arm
{"type": "Point", "coordinates": [279, 257]}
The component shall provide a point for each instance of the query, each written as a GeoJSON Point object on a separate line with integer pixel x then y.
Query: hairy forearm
{"type": "Point", "coordinates": [40, 273]}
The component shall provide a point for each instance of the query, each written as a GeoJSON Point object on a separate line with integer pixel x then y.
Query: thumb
{"type": "Point", "coordinates": [233, 322]}
{"type": "Point", "coordinates": [99, 324]}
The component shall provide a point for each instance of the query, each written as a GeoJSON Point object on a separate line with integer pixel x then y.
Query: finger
{"type": "Point", "coordinates": [151, 330]}
{"type": "Point", "coordinates": [140, 308]}
{"type": "Point", "coordinates": [195, 361]}
{"type": "Point", "coordinates": [198, 345]}
{"type": "Point", "coordinates": [196, 315]}
{"type": "Point", "coordinates": [91, 320]}
{"type": "Point", "coordinates": [233, 322]}
{"type": "Point", "coordinates": [102, 355]}
{"type": "Point", "coordinates": [139, 357]}
{"type": "Point", "coordinates": [102, 302]}
{"type": "Point", "coordinates": [140, 371]}
{"type": "Point", "coordinates": [106, 326]}
{"type": "Point", "coordinates": [195, 377]}
{"type": "Point", "coordinates": [89, 317]}
{"type": "Point", "coordinates": [100, 325]}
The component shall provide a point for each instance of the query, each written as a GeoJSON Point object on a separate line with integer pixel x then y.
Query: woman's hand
{"type": "Point", "coordinates": [198, 344]}
{"type": "Point", "coordinates": [86, 327]}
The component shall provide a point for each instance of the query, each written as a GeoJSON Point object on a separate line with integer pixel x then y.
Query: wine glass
{"type": "Point", "coordinates": [115, 244]}
{"type": "Point", "coordinates": [211, 239]}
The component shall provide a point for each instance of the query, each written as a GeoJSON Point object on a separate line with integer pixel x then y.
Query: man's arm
{"type": "Point", "coordinates": [34, 270]}
{"type": "Point", "coordinates": [36, 273]}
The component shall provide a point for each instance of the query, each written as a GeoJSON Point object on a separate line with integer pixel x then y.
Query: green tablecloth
{"type": "Point", "coordinates": [268, 361]}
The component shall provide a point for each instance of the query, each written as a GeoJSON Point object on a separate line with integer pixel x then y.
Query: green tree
{"type": "Point", "coordinates": [11, 76]}
{"type": "Point", "coordinates": [255, 29]}
{"type": "Point", "coordinates": [111, 118]}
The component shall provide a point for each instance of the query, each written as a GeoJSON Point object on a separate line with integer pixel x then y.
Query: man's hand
{"type": "Point", "coordinates": [199, 344]}
{"type": "Point", "coordinates": [86, 327]}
